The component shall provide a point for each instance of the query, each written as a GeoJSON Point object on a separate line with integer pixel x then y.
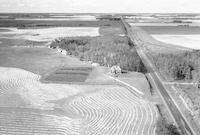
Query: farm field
{"type": "Point", "coordinates": [76, 98]}
{"type": "Point", "coordinates": [48, 34]}
{"type": "Point", "coordinates": [57, 23]}
{"type": "Point", "coordinates": [69, 74]}
{"type": "Point", "coordinates": [189, 41]}
{"type": "Point", "coordinates": [169, 36]}
{"type": "Point", "coordinates": [175, 35]}
{"type": "Point", "coordinates": [171, 30]}
{"type": "Point", "coordinates": [71, 109]}
{"type": "Point", "coordinates": [63, 17]}
{"type": "Point", "coordinates": [37, 60]}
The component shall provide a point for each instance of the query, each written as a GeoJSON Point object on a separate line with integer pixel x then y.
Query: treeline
{"type": "Point", "coordinates": [164, 128]}
{"type": "Point", "coordinates": [182, 66]}
{"type": "Point", "coordinates": [105, 50]}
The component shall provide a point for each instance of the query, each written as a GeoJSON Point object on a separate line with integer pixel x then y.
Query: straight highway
{"type": "Point", "coordinates": [179, 118]}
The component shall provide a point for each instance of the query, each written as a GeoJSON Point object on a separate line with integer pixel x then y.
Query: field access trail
{"type": "Point", "coordinates": [101, 110]}
{"type": "Point", "coordinates": [179, 118]}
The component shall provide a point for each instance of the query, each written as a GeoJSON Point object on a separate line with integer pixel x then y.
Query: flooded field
{"type": "Point", "coordinates": [48, 34]}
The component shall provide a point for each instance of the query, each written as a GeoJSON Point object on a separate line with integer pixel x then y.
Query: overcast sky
{"type": "Point", "coordinates": [101, 6]}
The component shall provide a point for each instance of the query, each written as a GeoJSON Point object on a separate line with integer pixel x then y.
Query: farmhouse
{"type": "Point", "coordinates": [116, 70]}
{"type": "Point", "coordinates": [64, 52]}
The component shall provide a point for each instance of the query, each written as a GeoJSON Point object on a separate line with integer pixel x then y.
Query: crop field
{"type": "Point", "coordinates": [171, 30]}
{"type": "Point", "coordinates": [175, 35]}
{"type": "Point", "coordinates": [49, 34]}
{"type": "Point", "coordinates": [71, 109]}
{"type": "Point", "coordinates": [56, 23]}
{"type": "Point", "coordinates": [36, 60]}
{"type": "Point", "coordinates": [69, 74]}
{"type": "Point", "coordinates": [108, 31]}
{"type": "Point", "coordinates": [154, 46]}
{"type": "Point", "coordinates": [61, 17]}
{"type": "Point", "coordinates": [189, 41]}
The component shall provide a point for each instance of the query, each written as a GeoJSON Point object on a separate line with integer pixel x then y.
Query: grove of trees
{"type": "Point", "coordinates": [182, 66]}
{"type": "Point", "coordinates": [105, 50]}
{"type": "Point", "coordinates": [164, 128]}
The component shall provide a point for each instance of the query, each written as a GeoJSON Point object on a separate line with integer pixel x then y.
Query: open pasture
{"type": "Point", "coordinates": [101, 110]}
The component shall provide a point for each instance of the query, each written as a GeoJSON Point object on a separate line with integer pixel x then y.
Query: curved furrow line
{"type": "Point", "coordinates": [155, 120]}
{"type": "Point", "coordinates": [78, 108]}
{"type": "Point", "coordinates": [102, 125]}
{"type": "Point", "coordinates": [127, 124]}
{"type": "Point", "coordinates": [132, 122]}
{"type": "Point", "coordinates": [123, 123]}
{"type": "Point", "coordinates": [86, 109]}
{"type": "Point", "coordinates": [114, 126]}
{"type": "Point", "coordinates": [82, 106]}
{"type": "Point", "coordinates": [99, 113]}
{"type": "Point", "coordinates": [97, 127]}
{"type": "Point", "coordinates": [67, 129]}
{"type": "Point", "coordinates": [94, 129]}
{"type": "Point", "coordinates": [125, 105]}
{"type": "Point", "coordinates": [119, 109]}
{"type": "Point", "coordinates": [144, 125]}
{"type": "Point", "coordinates": [137, 121]}
{"type": "Point", "coordinates": [132, 102]}
{"type": "Point", "coordinates": [110, 122]}
{"type": "Point", "coordinates": [90, 115]}
{"type": "Point", "coordinates": [43, 130]}
{"type": "Point", "coordinates": [27, 123]}
{"type": "Point", "coordinates": [7, 85]}
{"type": "Point", "coordinates": [135, 116]}
{"type": "Point", "coordinates": [150, 108]}
{"type": "Point", "coordinates": [152, 116]}
{"type": "Point", "coordinates": [29, 117]}
{"type": "Point", "coordinates": [110, 111]}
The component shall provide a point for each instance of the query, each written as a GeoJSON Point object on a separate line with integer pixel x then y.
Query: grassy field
{"type": "Point", "coordinates": [36, 60]}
